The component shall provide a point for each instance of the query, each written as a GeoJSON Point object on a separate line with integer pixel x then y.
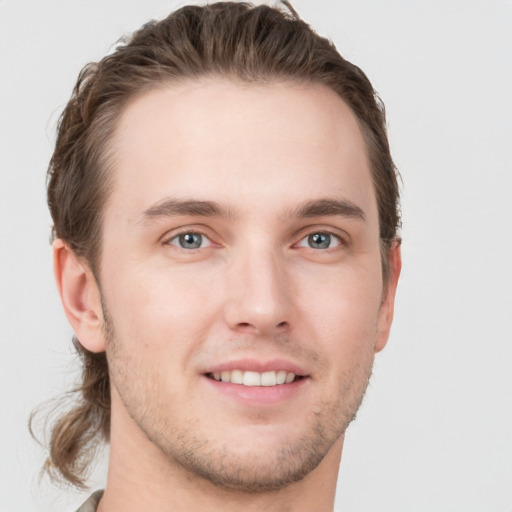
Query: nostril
{"type": "Point", "coordinates": [281, 326]}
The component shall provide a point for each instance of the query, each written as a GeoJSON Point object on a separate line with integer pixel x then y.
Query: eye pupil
{"type": "Point", "coordinates": [319, 240]}
{"type": "Point", "coordinates": [190, 240]}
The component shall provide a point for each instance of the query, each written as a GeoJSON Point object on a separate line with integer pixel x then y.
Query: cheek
{"type": "Point", "coordinates": [155, 334]}
{"type": "Point", "coordinates": [343, 312]}
{"type": "Point", "coordinates": [155, 310]}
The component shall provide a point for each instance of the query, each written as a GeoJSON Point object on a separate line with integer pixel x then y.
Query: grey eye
{"type": "Point", "coordinates": [188, 240]}
{"type": "Point", "coordinates": [319, 240]}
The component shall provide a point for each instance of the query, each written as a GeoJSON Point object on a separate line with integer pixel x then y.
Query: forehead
{"type": "Point", "coordinates": [238, 143]}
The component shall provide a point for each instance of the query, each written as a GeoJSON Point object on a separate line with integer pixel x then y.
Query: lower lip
{"type": "Point", "coordinates": [258, 395]}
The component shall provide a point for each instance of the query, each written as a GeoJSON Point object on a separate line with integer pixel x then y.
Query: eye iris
{"type": "Point", "coordinates": [319, 241]}
{"type": "Point", "coordinates": [190, 240]}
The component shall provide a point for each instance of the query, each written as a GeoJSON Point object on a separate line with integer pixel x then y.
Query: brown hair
{"type": "Point", "coordinates": [234, 40]}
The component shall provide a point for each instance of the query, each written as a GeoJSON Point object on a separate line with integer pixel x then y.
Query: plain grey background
{"type": "Point", "coordinates": [435, 430]}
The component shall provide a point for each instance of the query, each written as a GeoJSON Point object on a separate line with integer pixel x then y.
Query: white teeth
{"type": "Point", "coordinates": [281, 377]}
{"type": "Point", "coordinates": [237, 377]}
{"type": "Point", "coordinates": [250, 378]}
{"type": "Point", "coordinates": [268, 379]}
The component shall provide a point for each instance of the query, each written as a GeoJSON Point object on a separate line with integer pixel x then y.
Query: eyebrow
{"type": "Point", "coordinates": [330, 207]}
{"type": "Point", "coordinates": [176, 207]}
{"type": "Point", "coordinates": [315, 208]}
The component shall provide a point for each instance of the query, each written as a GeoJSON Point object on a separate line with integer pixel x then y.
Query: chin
{"type": "Point", "coordinates": [255, 460]}
{"type": "Point", "coordinates": [263, 471]}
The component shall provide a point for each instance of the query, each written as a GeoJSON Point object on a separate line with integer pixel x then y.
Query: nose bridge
{"type": "Point", "coordinates": [258, 295]}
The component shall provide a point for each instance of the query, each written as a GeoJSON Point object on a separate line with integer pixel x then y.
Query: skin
{"type": "Point", "coordinates": [284, 163]}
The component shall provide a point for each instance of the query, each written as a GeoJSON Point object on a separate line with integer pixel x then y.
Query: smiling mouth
{"type": "Point", "coordinates": [251, 378]}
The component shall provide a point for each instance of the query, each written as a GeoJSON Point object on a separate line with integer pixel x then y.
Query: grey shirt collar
{"type": "Point", "coordinates": [92, 503]}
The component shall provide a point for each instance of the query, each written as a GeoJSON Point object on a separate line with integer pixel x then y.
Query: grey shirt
{"type": "Point", "coordinates": [92, 503]}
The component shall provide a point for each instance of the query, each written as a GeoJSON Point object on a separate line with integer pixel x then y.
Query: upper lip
{"type": "Point", "coordinates": [255, 365]}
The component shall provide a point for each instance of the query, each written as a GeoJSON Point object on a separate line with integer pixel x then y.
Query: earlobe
{"type": "Point", "coordinates": [80, 296]}
{"type": "Point", "coordinates": [388, 303]}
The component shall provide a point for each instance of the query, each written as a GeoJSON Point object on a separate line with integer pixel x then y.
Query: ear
{"type": "Point", "coordinates": [80, 296]}
{"type": "Point", "coordinates": [388, 300]}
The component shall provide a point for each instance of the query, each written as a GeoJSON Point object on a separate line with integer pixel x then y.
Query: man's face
{"type": "Point", "coordinates": [241, 277]}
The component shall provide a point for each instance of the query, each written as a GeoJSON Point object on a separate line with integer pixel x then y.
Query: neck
{"type": "Point", "coordinates": [141, 477]}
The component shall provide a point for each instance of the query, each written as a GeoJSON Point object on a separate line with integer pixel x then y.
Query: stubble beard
{"type": "Point", "coordinates": [183, 445]}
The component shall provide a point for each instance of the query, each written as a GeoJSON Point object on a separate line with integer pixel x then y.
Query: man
{"type": "Point", "coordinates": [225, 215]}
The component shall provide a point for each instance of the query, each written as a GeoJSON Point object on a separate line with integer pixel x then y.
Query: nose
{"type": "Point", "coordinates": [258, 294]}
